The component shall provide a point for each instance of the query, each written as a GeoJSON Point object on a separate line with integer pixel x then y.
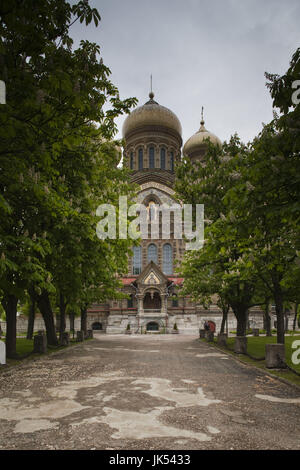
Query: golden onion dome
{"type": "Point", "coordinates": [197, 141]}
{"type": "Point", "coordinates": [151, 114]}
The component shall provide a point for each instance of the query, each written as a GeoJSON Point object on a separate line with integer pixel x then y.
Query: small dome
{"type": "Point", "coordinates": [197, 141]}
{"type": "Point", "coordinates": [151, 114]}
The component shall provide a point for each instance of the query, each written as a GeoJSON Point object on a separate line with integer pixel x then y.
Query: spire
{"type": "Point", "coordinates": [151, 94]}
{"type": "Point", "coordinates": [202, 120]}
{"type": "Point", "coordinates": [202, 128]}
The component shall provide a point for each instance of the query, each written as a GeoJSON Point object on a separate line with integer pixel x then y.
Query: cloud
{"type": "Point", "coordinates": [200, 52]}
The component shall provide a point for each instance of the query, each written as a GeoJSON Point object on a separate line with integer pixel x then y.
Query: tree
{"type": "Point", "coordinates": [47, 137]}
{"type": "Point", "coordinates": [252, 204]}
{"type": "Point", "coordinates": [218, 267]}
{"type": "Point", "coordinates": [263, 201]}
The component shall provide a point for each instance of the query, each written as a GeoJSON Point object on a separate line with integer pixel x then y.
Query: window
{"type": "Point", "coordinates": [141, 166]}
{"type": "Point", "coordinates": [131, 161]}
{"type": "Point", "coordinates": [152, 253]}
{"type": "Point", "coordinates": [137, 260]}
{"type": "Point", "coordinates": [167, 259]}
{"type": "Point", "coordinates": [174, 301]}
{"type": "Point", "coordinates": [151, 157]}
{"type": "Point", "coordinates": [163, 159]}
{"type": "Point", "coordinates": [172, 162]}
{"type": "Point", "coordinates": [130, 302]}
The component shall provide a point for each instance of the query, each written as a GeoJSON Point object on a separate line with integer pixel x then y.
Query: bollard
{"type": "Point", "coordinates": [80, 335]}
{"type": "Point", "coordinates": [275, 356]}
{"type": "Point", "coordinates": [89, 334]}
{"type": "Point", "coordinates": [202, 333]}
{"type": "Point", "coordinates": [65, 339]}
{"type": "Point", "coordinates": [40, 343]}
{"type": "Point", "coordinates": [255, 331]}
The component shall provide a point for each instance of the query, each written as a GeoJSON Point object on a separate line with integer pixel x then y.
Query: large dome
{"type": "Point", "coordinates": [151, 114]}
{"type": "Point", "coordinates": [197, 141]}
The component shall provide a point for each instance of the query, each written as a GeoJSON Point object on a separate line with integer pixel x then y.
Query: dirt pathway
{"type": "Point", "coordinates": [145, 392]}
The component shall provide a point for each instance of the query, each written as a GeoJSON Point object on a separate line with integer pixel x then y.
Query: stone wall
{"type": "Point", "coordinates": [39, 324]}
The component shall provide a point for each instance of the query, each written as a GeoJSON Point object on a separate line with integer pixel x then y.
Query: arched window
{"type": "Point", "coordinates": [137, 260]}
{"type": "Point", "coordinates": [152, 253]}
{"type": "Point", "coordinates": [141, 166]}
{"type": "Point", "coordinates": [167, 259]}
{"type": "Point", "coordinates": [172, 162]}
{"type": "Point", "coordinates": [151, 157]}
{"type": "Point", "coordinates": [131, 161]}
{"type": "Point", "coordinates": [163, 159]}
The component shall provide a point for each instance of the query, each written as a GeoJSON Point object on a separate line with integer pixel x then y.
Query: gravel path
{"type": "Point", "coordinates": [145, 392]}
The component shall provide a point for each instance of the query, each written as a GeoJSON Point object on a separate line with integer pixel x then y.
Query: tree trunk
{"type": "Point", "coordinates": [295, 316]}
{"type": "Point", "coordinates": [279, 314]}
{"type": "Point", "coordinates": [30, 326]}
{"type": "Point", "coordinates": [83, 319]}
{"type": "Point", "coordinates": [267, 320]}
{"type": "Point", "coordinates": [72, 322]}
{"type": "Point", "coordinates": [44, 305]}
{"type": "Point", "coordinates": [10, 303]}
{"type": "Point", "coordinates": [62, 310]}
{"type": "Point", "coordinates": [224, 319]}
{"type": "Point", "coordinates": [242, 318]}
{"type": "Point", "coordinates": [247, 320]}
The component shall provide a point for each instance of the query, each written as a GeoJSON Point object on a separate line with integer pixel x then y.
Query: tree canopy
{"type": "Point", "coordinates": [58, 161]}
{"type": "Point", "coordinates": [251, 204]}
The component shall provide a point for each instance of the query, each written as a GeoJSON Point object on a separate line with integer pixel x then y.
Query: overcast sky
{"type": "Point", "coordinates": [210, 53]}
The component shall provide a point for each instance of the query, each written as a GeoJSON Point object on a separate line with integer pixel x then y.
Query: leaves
{"type": "Point", "coordinates": [57, 165]}
{"type": "Point", "coordinates": [251, 199]}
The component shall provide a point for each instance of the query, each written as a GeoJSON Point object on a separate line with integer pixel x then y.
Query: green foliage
{"type": "Point", "coordinates": [252, 213]}
{"type": "Point", "coordinates": [57, 165]}
{"type": "Point", "coordinates": [218, 268]}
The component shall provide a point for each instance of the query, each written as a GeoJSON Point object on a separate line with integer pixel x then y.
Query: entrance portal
{"type": "Point", "coordinates": [97, 326]}
{"type": "Point", "coordinates": [152, 326]}
{"type": "Point", "coordinates": [152, 301]}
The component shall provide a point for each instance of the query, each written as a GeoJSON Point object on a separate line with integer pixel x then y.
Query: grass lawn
{"type": "Point", "coordinates": [256, 348]}
{"type": "Point", "coordinates": [25, 349]}
{"type": "Point", "coordinates": [24, 346]}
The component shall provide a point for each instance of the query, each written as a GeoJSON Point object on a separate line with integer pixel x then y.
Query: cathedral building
{"type": "Point", "coordinates": [153, 144]}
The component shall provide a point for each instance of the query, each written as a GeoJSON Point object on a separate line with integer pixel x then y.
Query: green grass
{"type": "Point", "coordinates": [256, 348]}
{"type": "Point", "coordinates": [257, 345]}
{"type": "Point", "coordinates": [263, 332]}
{"type": "Point", "coordinates": [24, 348]}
